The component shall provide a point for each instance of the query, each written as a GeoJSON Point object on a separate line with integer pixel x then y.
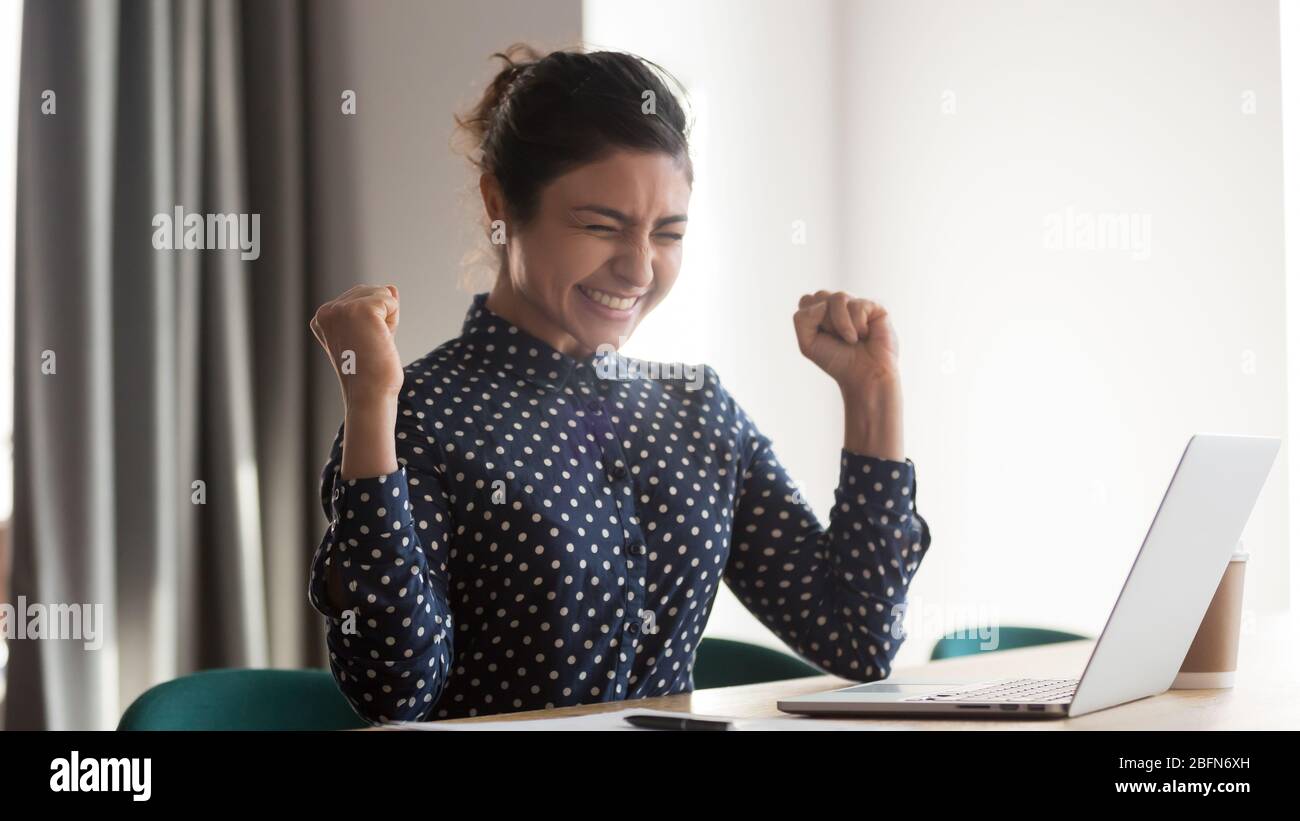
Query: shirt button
{"type": "Point", "coordinates": [637, 549]}
{"type": "Point", "coordinates": [593, 406]}
{"type": "Point", "coordinates": [633, 626]}
{"type": "Point", "coordinates": [617, 473]}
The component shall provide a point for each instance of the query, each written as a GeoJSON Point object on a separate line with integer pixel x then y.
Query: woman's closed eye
{"type": "Point", "coordinates": [610, 230]}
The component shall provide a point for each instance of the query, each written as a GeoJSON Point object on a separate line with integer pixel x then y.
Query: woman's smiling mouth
{"type": "Point", "coordinates": [617, 304]}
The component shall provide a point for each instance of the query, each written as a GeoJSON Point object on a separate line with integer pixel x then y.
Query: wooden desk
{"type": "Point", "coordinates": [1267, 695]}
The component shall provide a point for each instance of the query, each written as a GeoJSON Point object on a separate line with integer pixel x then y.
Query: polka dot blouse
{"type": "Point", "coordinates": [558, 529]}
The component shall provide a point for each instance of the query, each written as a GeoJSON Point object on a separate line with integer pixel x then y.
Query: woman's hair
{"type": "Point", "coordinates": [540, 117]}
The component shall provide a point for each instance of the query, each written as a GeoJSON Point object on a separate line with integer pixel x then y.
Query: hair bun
{"type": "Point", "coordinates": [518, 58]}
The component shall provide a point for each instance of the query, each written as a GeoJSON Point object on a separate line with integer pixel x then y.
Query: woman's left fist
{"type": "Point", "coordinates": [850, 339]}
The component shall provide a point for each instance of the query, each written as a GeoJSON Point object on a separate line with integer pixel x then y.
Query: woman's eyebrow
{"type": "Point", "coordinates": [615, 214]}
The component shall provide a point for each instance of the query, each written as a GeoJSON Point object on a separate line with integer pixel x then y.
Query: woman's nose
{"type": "Point", "coordinates": [636, 264]}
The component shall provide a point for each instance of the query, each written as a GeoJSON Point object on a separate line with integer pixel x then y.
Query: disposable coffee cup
{"type": "Point", "coordinates": [1211, 661]}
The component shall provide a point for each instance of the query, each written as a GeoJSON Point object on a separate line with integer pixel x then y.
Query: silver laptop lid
{"type": "Point", "coordinates": [1177, 570]}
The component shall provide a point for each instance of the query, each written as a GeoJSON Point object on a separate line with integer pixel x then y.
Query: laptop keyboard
{"type": "Point", "coordinates": [1020, 690]}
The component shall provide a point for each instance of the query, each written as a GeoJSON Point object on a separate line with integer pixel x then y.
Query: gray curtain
{"type": "Point", "coordinates": [171, 367]}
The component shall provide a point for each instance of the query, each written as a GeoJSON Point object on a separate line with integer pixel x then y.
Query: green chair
{"type": "Point", "coordinates": [244, 700]}
{"type": "Point", "coordinates": [1009, 638]}
{"type": "Point", "coordinates": [727, 663]}
{"type": "Point", "coordinates": [310, 699]}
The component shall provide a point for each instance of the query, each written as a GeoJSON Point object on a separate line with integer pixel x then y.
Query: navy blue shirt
{"type": "Point", "coordinates": [558, 528]}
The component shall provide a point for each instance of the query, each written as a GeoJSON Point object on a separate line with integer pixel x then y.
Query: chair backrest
{"type": "Point", "coordinates": [244, 700]}
{"type": "Point", "coordinates": [726, 663]}
{"type": "Point", "coordinates": [1008, 638]}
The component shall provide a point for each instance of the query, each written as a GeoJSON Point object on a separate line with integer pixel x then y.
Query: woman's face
{"type": "Point", "coordinates": [602, 250]}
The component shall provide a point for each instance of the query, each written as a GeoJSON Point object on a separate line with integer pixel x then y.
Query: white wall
{"type": "Point", "coordinates": [1289, 24]}
{"type": "Point", "coordinates": [929, 145]}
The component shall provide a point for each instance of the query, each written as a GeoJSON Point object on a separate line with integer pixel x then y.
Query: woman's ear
{"type": "Point", "coordinates": [494, 200]}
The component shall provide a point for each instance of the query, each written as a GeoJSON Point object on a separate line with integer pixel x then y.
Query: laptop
{"type": "Point", "coordinates": [1150, 628]}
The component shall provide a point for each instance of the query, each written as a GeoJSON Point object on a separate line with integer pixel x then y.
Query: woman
{"type": "Point", "coordinates": [510, 528]}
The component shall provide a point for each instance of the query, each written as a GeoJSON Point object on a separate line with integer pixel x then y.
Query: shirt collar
{"type": "Point", "coordinates": [504, 347]}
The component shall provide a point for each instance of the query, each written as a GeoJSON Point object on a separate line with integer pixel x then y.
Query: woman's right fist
{"type": "Point", "coordinates": [357, 330]}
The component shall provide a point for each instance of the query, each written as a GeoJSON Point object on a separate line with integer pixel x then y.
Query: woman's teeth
{"type": "Point", "coordinates": [609, 300]}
